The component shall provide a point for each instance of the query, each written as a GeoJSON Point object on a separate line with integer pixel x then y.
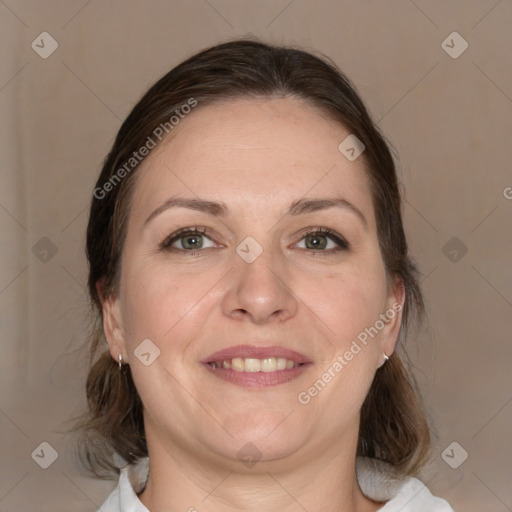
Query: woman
{"type": "Point", "coordinates": [251, 277]}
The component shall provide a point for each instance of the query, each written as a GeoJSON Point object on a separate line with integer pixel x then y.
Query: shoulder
{"type": "Point", "coordinates": [377, 481]}
{"type": "Point", "coordinates": [380, 482]}
{"type": "Point", "coordinates": [112, 503]}
{"type": "Point", "coordinates": [132, 480]}
{"type": "Point", "coordinates": [414, 496]}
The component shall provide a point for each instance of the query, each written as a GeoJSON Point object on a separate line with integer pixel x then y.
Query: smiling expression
{"type": "Point", "coordinates": [243, 180]}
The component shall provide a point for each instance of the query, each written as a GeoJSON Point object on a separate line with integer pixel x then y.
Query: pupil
{"type": "Point", "coordinates": [193, 237]}
{"type": "Point", "coordinates": [316, 243]}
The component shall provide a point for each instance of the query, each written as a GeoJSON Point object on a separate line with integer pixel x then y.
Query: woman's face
{"type": "Point", "coordinates": [252, 276]}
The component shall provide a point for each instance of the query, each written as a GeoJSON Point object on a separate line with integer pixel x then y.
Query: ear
{"type": "Point", "coordinates": [112, 323]}
{"type": "Point", "coordinates": [392, 318]}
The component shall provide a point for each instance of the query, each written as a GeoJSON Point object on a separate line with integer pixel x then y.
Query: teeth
{"type": "Point", "coordinates": [249, 364]}
{"type": "Point", "coordinates": [281, 363]}
{"type": "Point", "coordinates": [269, 364]}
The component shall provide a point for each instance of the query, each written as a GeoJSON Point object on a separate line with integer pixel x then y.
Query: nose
{"type": "Point", "coordinates": [260, 291]}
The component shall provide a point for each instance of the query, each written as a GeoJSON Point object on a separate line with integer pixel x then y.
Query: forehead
{"type": "Point", "coordinates": [252, 152]}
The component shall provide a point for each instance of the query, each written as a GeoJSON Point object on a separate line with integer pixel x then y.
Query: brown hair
{"type": "Point", "coordinates": [393, 425]}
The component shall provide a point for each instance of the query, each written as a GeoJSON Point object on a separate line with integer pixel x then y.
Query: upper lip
{"type": "Point", "coordinates": [256, 352]}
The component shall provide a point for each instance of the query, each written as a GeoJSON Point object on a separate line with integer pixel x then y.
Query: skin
{"type": "Point", "coordinates": [256, 156]}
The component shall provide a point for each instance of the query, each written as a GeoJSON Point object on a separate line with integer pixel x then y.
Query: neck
{"type": "Point", "coordinates": [319, 480]}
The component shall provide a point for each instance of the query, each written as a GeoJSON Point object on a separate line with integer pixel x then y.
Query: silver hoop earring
{"type": "Point", "coordinates": [386, 358]}
{"type": "Point", "coordinates": [120, 361]}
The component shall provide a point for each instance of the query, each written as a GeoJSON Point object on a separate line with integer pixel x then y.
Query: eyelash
{"type": "Point", "coordinates": [343, 245]}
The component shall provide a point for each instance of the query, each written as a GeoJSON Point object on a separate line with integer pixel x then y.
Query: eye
{"type": "Point", "coordinates": [190, 239]}
{"type": "Point", "coordinates": [317, 240]}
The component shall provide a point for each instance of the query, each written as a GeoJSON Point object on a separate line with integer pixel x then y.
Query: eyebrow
{"type": "Point", "coordinates": [299, 207]}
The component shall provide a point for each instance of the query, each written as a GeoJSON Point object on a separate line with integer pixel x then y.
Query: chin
{"type": "Point", "coordinates": [266, 436]}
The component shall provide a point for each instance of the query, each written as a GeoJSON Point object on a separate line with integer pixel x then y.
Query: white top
{"type": "Point", "coordinates": [401, 495]}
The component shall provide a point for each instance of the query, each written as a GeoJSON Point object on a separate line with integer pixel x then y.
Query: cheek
{"type": "Point", "coordinates": [165, 306]}
{"type": "Point", "coordinates": [164, 303]}
{"type": "Point", "coordinates": [168, 311]}
{"type": "Point", "coordinates": [348, 301]}
{"type": "Point", "coordinates": [349, 305]}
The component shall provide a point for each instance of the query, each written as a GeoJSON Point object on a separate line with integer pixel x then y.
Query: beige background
{"type": "Point", "coordinates": [450, 120]}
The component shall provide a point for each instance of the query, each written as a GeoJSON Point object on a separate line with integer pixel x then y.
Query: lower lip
{"type": "Point", "coordinates": [258, 380]}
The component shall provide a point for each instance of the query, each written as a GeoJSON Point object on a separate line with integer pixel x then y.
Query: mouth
{"type": "Point", "coordinates": [256, 367]}
{"type": "Point", "coordinates": [250, 364]}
